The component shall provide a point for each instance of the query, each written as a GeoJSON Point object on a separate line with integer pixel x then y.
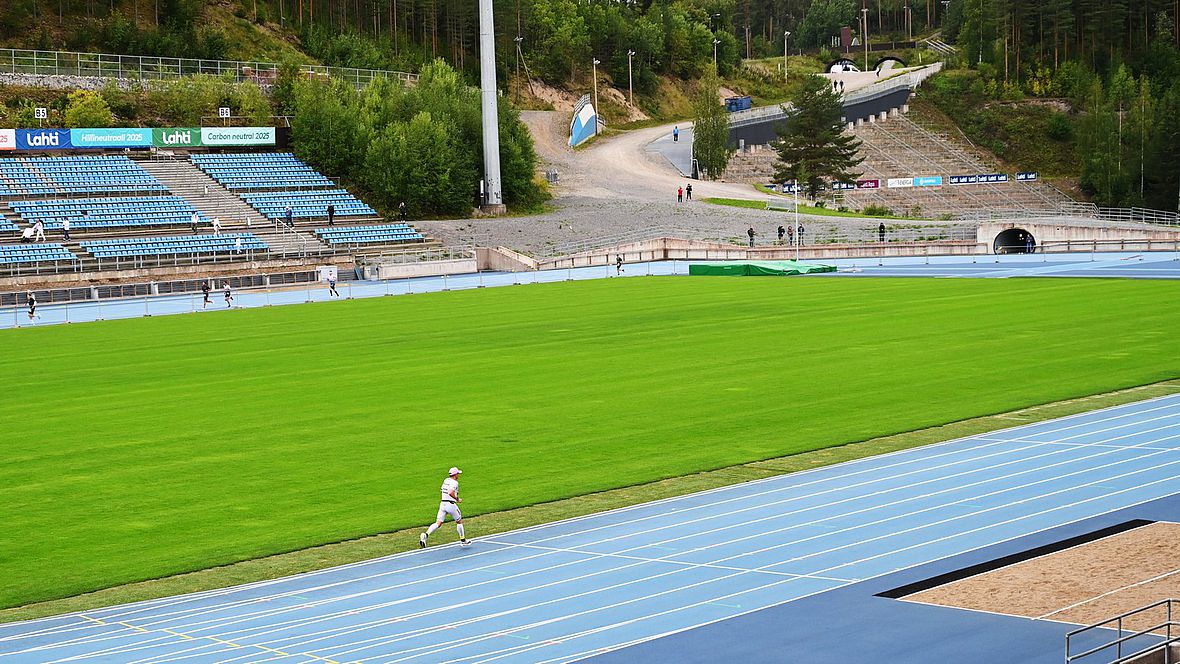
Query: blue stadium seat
{"type": "Point", "coordinates": [126, 212]}
{"type": "Point", "coordinates": [38, 176]}
{"type": "Point", "coordinates": [34, 253]}
{"type": "Point", "coordinates": [260, 171]}
{"type": "Point", "coordinates": [308, 204]}
{"type": "Point", "coordinates": [168, 246]}
{"type": "Point", "coordinates": [383, 234]}
{"type": "Point", "coordinates": [6, 225]}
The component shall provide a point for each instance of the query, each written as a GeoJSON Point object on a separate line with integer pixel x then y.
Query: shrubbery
{"type": "Point", "coordinates": [421, 144]}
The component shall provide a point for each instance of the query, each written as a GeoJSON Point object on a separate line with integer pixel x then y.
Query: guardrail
{"type": "Point", "coordinates": [1162, 630]}
{"type": "Point", "coordinates": [151, 68]}
{"type": "Point", "coordinates": [1082, 210]}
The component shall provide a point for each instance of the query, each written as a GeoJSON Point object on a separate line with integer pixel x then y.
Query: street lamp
{"type": "Point", "coordinates": [785, 36]}
{"type": "Point", "coordinates": [594, 65]}
{"type": "Point", "coordinates": [909, 33]}
{"type": "Point", "coordinates": [864, 12]}
{"type": "Point", "coordinates": [715, 43]}
{"type": "Point", "coordinates": [630, 84]}
{"type": "Point", "coordinates": [518, 40]}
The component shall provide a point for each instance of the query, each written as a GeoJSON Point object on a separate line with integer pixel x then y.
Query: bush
{"type": "Point", "coordinates": [1058, 127]}
{"type": "Point", "coordinates": [88, 109]}
{"type": "Point", "coordinates": [876, 211]}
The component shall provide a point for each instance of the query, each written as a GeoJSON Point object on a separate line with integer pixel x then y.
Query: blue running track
{"type": "Point", "coordinates": [583, 587]}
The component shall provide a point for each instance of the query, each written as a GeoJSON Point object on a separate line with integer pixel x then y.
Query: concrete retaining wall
{"type": "Point", "coordinates": [503, 259]}
{"type": "Point", "coordinates": [423, 269]}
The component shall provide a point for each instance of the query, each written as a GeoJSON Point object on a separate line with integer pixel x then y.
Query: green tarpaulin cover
{"type": "Point", "coordinates": [758, 268]}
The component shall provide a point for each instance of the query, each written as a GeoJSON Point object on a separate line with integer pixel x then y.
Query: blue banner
{"type": "Point", "coordinates": [1026, 176]}
{"type": "Point", "coordinates": [111, 138]}
{"type": "Point", "coordinates": [928, 181]}
{"type": "Point", "coordinates": [43, 139]}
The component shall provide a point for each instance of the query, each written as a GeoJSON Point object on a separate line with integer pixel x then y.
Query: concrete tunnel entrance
{"type": "Point", "coordinates": [1015, 241]}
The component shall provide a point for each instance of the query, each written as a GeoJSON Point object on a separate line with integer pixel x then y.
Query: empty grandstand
{"type": "Point", "coordinates": [35, 253]}
{"type": "Point", "coordinates": [141, 251]}
{"type": "Point", "coordinates": [75, 175]}
{"type": "Point", "coordinates": [359, 235]}
{"type": "Point", "coordinates": [94, 213]}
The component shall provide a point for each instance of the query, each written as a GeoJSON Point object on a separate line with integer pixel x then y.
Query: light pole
{"type": "Point", "coordinates": [864, 12]}
{"type": "Point", "coordinates": [909, 32]}
{"type": "Point", "coordinates": [518, 40]}
{"type": "Point", "coordinates": [493, 192]}
{"type": "Point", "coordinates": [785, 36]}
{"type": "Point", "coordinates": [630, 83]}
{"type": "Point", "coordinates": [594, 65]}
{"type": "Point", "coordinates": [715, 43]}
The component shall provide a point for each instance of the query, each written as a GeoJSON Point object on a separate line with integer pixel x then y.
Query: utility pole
{"type": "Point", "coordinates": [715, 43]}
{"type": "Point", "coordinates": [493, 191]}
{"type": "Point", "coordinates": [594, 65]}
{"type": "Point", "coordinates": [630, 83]}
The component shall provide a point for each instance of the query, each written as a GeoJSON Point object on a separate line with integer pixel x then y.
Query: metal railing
{"type": "Point", "coordinates": [1081, 210]}
{"type": "Point", "coordinates": [152, 68]}
{"type": "Point", "coordinates": [1162, 628]}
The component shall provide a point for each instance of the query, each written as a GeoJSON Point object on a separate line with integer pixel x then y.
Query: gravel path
{"type": "Point", "coordinates": [617, 188]}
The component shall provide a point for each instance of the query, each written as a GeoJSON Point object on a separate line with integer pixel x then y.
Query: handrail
{"type": "Point", "coordinates": [136, 67]}
{"type": "Point", "coordinates": [1117, 642]}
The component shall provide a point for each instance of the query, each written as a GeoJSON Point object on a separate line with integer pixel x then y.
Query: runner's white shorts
{"type": "Point", "coordinates": [445, 508]}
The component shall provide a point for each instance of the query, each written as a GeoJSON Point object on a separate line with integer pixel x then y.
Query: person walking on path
{"type": "Point", "coordinates": [332, 292]}
{"type": "Point", "coordinates": [449, 504]}
{"type": "Point", "coordinates": [676, 134]}
{"type": "Point", "coordinates": [39, 230]}
{"type": "Point", "coordinates": [65, 229]}
{"type": "Point", "coordinates": [688, 192]}
{"type": "Point", "coordinates": [216, 226]}
{"type": "Point", "coordinates": [751, 234]}
{"type": "Point", "coordinates": [679, 194]}
{"type": "Point", "coordinates": [618, 264]}
{"type": "Point", "coordinates": [781, 232]}
{"type": "Point", "coordinates": [881, 232]}
{"type": "Point", "coordinates": [194, 220]}
{"type": "Point", "coordinates": [331, 214]}
{"type": "Point", "coordinates": [238, 244]}
{"type": "Point", "coordinates": [401, 211]}
{"type": "Point", "coordinates": [31, 301]}
{"type": "Point", "coordinates": [229, 296]}
{"type": "Point", "coordinates": [205, 292]}
{"type": "Point", "coordinates": [287, 213]}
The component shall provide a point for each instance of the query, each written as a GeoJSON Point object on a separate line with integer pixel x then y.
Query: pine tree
{"type": "Point", "coordinates": [812, 146]}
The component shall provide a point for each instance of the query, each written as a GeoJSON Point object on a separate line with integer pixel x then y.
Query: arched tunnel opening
{"type": "Point", "coordinates": [1015, 241]}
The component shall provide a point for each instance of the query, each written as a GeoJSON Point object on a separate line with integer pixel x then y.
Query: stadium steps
{"type": "Point", "coordinates": [189, 182]}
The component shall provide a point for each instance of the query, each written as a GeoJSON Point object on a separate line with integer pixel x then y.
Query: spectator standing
{"type": "Point", "coordinates": [194, 220]}
{"type": "Point", "coordinates": [688, 192]}
{"type": "Point", "coordinates": [229, 296]}
{"type": "Point", "coordinates": [65, 229]}
{"type": "Point", "coordinates": [238, 244]}
{"type": "Point", "coordinates": [206, 191]}
{"type": "Point", "coordinates": [216, 226]}
{"type": "Point", "coordinates": [799, 233]}
{"type": "Point", "coordinates": [1029, 245]}
{"type": "Point", "coordinates": [401, 210]}
{"type": "Point", "coordinates": [39, 230]}
{"type": "Point", "coordinates": [881, 232]}
{"type": "Point", "coordinates": [790, 235]}
{"type": "Point", "coordinates": [676, 134]}
{"type": "Point", "coordinates": [679, 194]}
{"type": "Point", "coordinates": [205, 292]}
{"type": "Point", "coordinates": [287, 214]}
{"type": "Point", "coordinates": [781, 232]}
{"type": "Point", "coordinates": [751, 234]}
{"type": "Point", "coordinates": [331, 214]}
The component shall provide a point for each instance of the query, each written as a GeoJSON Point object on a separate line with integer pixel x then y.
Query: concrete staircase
{"type": "Point", "coordinates": [189, 182]}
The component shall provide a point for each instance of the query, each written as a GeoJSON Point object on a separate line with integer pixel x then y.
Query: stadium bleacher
{"type": "Point", "coordinates": [94, 174]}
{"type": "Point", "coordinates": [34, 253]}
{"type": "Point", "coordinates": [126, 212]}
{"type": "Point", "coordinates": [19, 180]}
{"type": "Point", "coordinates": [5, 224]}
{"type": "Point", "coordinates": [388, 233]}
{"type": "Point", "coordinates": [308, 204]}
{"type": "Point", "coordinates": [180, 245]}
{"type": "Point", "coordinates": [260, 171]}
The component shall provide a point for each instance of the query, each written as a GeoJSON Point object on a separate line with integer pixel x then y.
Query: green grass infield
{"type": "Point", "coordinates": [138, 449]}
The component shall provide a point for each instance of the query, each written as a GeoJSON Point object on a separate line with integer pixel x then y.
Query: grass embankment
{"type": "Point", "coordinates": [167, 445]}
{"type": "Point", "coordinates": [803, 209]}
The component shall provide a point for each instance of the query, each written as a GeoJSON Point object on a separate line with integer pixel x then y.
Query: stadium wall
{"type": "Point", "coordinates": [763, 132]}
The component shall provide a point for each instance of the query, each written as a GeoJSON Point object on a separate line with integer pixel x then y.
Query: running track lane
{"type": "Point", "coordinates": [572, 589]}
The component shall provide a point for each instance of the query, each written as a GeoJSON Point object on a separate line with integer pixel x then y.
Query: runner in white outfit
{"type": "Point", "coordinates": [449, 504]}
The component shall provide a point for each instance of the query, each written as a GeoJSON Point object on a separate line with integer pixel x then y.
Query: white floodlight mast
{"type": "Point", "coordinates": [493, 191]}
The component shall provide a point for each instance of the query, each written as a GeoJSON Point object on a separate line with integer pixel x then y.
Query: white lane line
{"type": "Point", "coordinates": [520, 649]}
{"type": "Point", "coordinates": [1135, 408]}
{"type": "Point", "coordinates": [1040, 468]}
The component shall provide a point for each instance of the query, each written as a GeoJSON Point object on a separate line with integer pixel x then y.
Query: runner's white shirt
{"type": "Point", "coordinates": [450, 484]}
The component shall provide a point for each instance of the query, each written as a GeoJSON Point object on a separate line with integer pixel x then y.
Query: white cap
{"type": "Point", "coordinates": [454, 471]}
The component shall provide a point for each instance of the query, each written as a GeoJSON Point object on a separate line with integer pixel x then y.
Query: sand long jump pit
{"type": "Point", "coordinates": [1107, 574]}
